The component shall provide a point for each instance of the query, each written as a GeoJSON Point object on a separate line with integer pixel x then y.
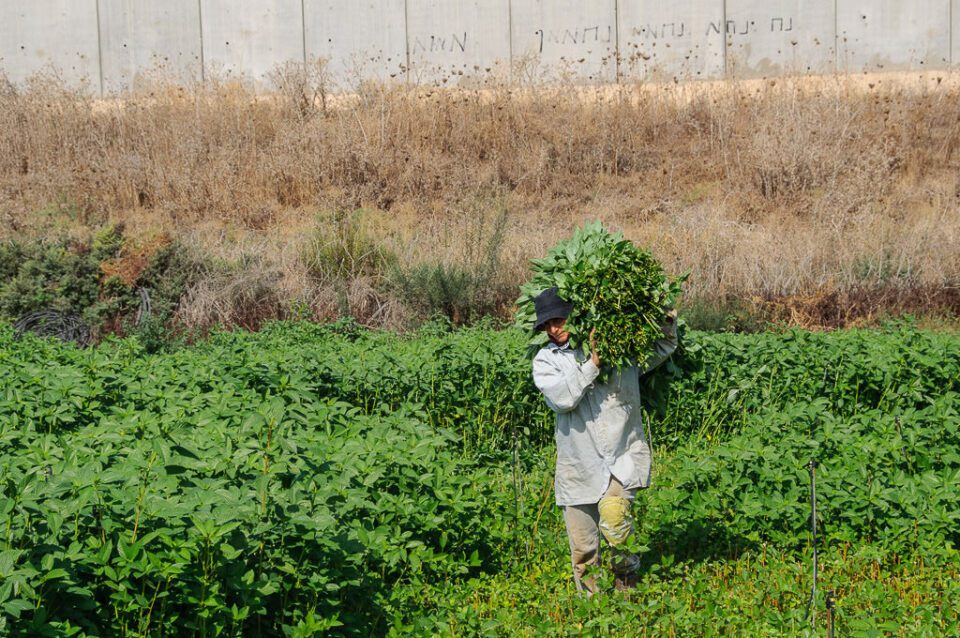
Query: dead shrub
{"type": "Point", "coordinates": [362, 301]}
{"type": "Point", "coordinates": [303, 88]}
{"type": "Point", "coordinates": [758, 188]}
{"type": "Point", "coordinates": [135, 258]}
{"type": "Point", "coordinates": [826, 308]}
{"type": "Point", "coordinates": [814, 154]}
{"type": "Point", "coordinates": [245, 297]}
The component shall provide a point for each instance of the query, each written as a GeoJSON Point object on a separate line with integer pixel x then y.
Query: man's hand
{"type": "Point", "coordinates": [593, 349]}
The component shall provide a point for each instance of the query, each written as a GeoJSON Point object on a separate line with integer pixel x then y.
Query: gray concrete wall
{"type": "Point", "coordinates": [663, 40]}
{"type": "Point", "coordinates": [893, 35]}
{"type": "Point", "coordinates": [774, 37]}
{"type": "Point", "coordinates": [554, 39]}
{"type": "Point", "coordinates": [451, 42]}
{"type": "Point", "coordinates": [955, 32]}
{"type": "Point", "coordinates": [60, 35]}
{"type": "Point", "coordinates": [140, 40]}
{"type": "Point", "coordinates": [112, 45]}
{"type": "Point", "coordinates": [366, 39]}
{"type": "Point", "coordinates": [250, 37]}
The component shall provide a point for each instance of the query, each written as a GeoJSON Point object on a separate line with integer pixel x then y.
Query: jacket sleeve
{"type": "Point", "coordinates": [562, 379]}
{"type": "Point", "coordinates": [662, 348]}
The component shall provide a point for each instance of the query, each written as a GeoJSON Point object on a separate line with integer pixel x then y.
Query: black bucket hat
{"type": "Point", "coordinates": [549, 306]}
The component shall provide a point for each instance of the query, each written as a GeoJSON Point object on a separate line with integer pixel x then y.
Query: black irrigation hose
{"type": "Point", "coordinates": [70, 327]}
{"type": "Point", "coordinates": [145, 309]}
{"type": "Point", "coordinates": [54, 323]}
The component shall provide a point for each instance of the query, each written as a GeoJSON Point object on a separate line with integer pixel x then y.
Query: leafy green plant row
{"type": "Point", "coordinates": [761, 592]}
{"type": "Point", "coordinates": [889, 480]}
{"type": "Point", "coordinates": [313, 479]}
{"type": "Point", "coordinates": [269, 518]}
{"type": "Point", "coordinates": [476, 381]}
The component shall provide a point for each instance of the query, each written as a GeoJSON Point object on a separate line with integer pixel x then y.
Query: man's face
{"type": "Point", "coordinates": [554, 330]}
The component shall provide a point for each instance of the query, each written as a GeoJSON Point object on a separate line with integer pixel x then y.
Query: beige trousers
{"type": "Point", "coordinates": [585, 523]}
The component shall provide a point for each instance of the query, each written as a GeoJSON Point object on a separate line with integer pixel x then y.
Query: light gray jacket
{"type": "Point", "coordinates": [599, 423]}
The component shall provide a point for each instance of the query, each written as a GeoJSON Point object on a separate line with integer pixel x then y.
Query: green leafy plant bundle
{"type": "Point", "coordinates": [614, 286]}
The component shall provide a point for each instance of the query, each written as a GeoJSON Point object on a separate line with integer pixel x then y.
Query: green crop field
{"type": "Point", "coordinates": [329, 480]}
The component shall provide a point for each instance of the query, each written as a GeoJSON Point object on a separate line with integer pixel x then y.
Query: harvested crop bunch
{"type": "Point", "coordinates": [614, 286]}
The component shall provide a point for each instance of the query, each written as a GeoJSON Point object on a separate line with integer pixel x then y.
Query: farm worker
{"type": "Point", "coordinates": [603, 457]}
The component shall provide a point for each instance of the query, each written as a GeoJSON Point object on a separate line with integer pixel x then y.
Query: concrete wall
{"type": "Point", "coordinates": [140, 39]}
{"type": "Point", "coordinates": [50, 34]}
{"type": "Point", "coordinates": [661, 40]}
{"type": "Point", "coordinates": [362, 39]}
{"type": "Point", "coordinates": [112, 45]}
{"type": "Point", "coordinates": [565, 38]}
{"type": "Point", "coordinates": [955, 32]}
{"type": "Point", "coordinates": [891, 35]}
{"type": "Point", "coordinates": [448, 42]}
{"type": "Point", "coordinates": [766, 37]}
{"type": "Point", "coordinates": [250, 37]}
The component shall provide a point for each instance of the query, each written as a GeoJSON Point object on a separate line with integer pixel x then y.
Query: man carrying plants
{"type": "Point", "coordinates": [593, 384]}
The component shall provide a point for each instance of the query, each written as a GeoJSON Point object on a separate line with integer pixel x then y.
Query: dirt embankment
{"type": "Point", "coordinates": [814, 201]}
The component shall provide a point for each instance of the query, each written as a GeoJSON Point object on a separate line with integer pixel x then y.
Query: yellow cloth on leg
{"type": "Point", "coordinates": [616, 523]}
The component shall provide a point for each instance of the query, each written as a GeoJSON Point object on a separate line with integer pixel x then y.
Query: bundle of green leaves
{"type": "Point", "coordinates": [614, 286]}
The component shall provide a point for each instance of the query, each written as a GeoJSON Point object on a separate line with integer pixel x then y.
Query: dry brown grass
{"type": "Point", "coordinates": [768, 190]}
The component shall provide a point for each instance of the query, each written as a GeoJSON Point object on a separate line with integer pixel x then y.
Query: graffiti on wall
{"type": "Point", "coordinates": [666, 30]}
{"type": "Point", "coordinates": [576, 36]}
{"type": "Point", "coordinates": [453, 43]}
{"type": "Point", "coordinates": [688, 40]}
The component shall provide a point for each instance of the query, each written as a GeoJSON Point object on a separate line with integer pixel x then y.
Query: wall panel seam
{"type": "Point", "coordinates": [616, 30]}
{"type": "Point", "coordinates": [510, 39]}
{"type": "Point", "coordinates": [723, 34]}
{"type": "Point", "coordinates": [203, 62]}
{"type": "Point", "coordinates": [406, 38]}
{"type": "Point", "coordinates": [303, 29]}
{"type": "Point", "coordinates": [99, 46]}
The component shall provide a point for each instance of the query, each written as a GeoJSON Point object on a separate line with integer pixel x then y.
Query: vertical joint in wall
{"type": "Point", "coordinates": [203, 63]}
{"type": "Point", "coordinates": [406, 37]}
{"type": "Point", "coordinates": [616, 31]}
{"type": "Point", "coordinates": [99, 47]}
{"type": "Point", "coordinates": [723, 34]}
{"type": "Point", "coordinates": [510, 43]}
{"type": "Point", "coordinates": [303, 30]}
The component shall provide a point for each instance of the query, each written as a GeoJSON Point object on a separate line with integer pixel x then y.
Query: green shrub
{"type": "Point", "coordinates": [62, 275]}
{"type": "Point", "coordinates": [466, 289]}
{"type": "Point", "coordinates": [341, 249]}
{"type": "Point", "coordinates": [730, 315]}
{"type": "Point", "coordinates": [449, 290]}
{"type": "Point", "coordinates": [70, 276]}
